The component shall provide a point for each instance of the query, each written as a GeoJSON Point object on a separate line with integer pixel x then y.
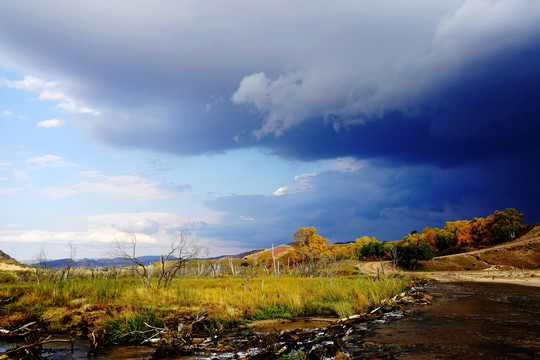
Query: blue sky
{"type": "Point", "coordinates": [243, 121]}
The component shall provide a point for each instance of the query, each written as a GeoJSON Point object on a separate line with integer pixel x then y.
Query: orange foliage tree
{"type": "Point", "coordinates": [463, 235]}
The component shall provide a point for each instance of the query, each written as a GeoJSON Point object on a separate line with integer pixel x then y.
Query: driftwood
{"type": "Point", "coordinates": [17, 332]}
{"type": "Point", "coordinates": [39, 343]}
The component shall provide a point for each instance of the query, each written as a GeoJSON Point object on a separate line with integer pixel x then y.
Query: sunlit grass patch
{"type": "Point", "coordinates": [125, 304]}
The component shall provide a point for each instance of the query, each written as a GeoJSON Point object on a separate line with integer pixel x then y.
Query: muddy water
{"type": "Point", "coordinates": [466, 321]}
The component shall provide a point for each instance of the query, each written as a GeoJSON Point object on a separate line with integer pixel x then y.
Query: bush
{"type": "Point", "coordinates": [7, 277]}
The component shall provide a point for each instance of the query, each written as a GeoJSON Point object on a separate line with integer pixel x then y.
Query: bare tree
{"type": "Point", "coordinates": [41, 262]}
{"type": "Point", "coordinates": [182, 249]}
{"type": "Point", "coordinates": [234, 269]}
{"type": "Point", "coordinates": [215, 267]}
{"type": "Point", "coordinates": [328, 267]}
{"type": "Point", "coordinates": [71, 260]}
{"type": "Point", "coordinates": [394, 255]}
{"type": "Point", "coordinates": [128, 251]}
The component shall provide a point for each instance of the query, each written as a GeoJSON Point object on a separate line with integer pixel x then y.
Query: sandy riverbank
{"type": "Point", "coordinates": [518, 277]}
{"type": "Point", "coordinates": [495, 274]}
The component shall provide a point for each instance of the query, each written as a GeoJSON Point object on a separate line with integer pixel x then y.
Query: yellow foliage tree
{"type": "Point", "coordinates": [361, 241]}
{"type": "Point", "coordinates": [309, 246]}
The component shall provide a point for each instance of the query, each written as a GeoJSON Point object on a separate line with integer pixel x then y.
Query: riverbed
{"type": "Point", "coordinates": [465, 321]}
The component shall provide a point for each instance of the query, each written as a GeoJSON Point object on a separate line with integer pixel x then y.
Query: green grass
{"type": "Point", "coordinates": [132, 327]}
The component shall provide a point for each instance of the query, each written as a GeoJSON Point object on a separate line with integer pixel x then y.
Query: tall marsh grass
{"type": "Point", "coordinates": [128, 304]}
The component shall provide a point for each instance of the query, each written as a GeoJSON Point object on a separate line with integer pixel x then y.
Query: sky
{"type": "Point", "coordinates": [241, 121]}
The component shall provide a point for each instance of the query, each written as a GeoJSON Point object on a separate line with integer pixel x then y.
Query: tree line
{"type": "Point", "coordinates": [311, 249]}
{"type": "Point", "coordinates": [310, 254]}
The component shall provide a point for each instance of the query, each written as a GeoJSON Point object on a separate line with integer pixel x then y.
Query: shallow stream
{"type": "Point", "coordinates": [466, 321]}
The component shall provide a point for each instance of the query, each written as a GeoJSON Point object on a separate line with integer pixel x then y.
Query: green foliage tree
{"type": "Point", "coordinates": [410, 253]}
{"type": "Point", "coordinates": [372, 250]}
{"type": "Point", "coordinates": [507, 224]}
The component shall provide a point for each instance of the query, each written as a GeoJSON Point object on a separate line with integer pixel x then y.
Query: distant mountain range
{"type": "Point", "coordinates": [119, 262]}
{"type": "Point", "coordinates": [97, 263]}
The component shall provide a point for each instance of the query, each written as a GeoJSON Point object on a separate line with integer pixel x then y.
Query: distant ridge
{"type": "Point", "coordinates": [237, 256]}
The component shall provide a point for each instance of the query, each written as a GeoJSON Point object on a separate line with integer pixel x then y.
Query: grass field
{"type": "Point", "coordinates": [124, 305]}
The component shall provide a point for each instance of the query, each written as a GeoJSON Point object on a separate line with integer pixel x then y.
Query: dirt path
{"type": "Point", "coordinates": [374, 267]}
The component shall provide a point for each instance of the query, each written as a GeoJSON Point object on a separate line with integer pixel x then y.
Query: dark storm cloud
{"type": "Point", "coordinates": [443, 97]}
{"type": "Point", "coordinates": [383, 202]}
{"type": "Point", "coordinates": [162, 76]}
{"type": "Point", "coordinates": [449, 82]}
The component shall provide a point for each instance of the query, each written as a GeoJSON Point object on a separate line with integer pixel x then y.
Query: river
{"type": "Point", "coordinates": [465, 321]}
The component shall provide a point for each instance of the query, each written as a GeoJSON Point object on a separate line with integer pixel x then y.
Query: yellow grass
{"type": "Point", "coordinates": [126, 304]}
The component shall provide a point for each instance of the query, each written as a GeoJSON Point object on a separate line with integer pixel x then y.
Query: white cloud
{"type": "Point", "coordinates": [122, 186]}
{"type": "Point", "coordinates": [3, 179]}
{"type": "Point", "coordinates": [49, 162]}
{"type": "Point", "coordinates": [246, 218]}
{"type": "Point", "coordinates": [301, 183]}
{"type": "Point", "coordinates": [291, 98]}
{"type": "Point", "coordinates": [6, 191]}
{"type": "Point", "coordinates": [98, 235]}
{"type": "Point", "coordinates": [73, 107]}
{"type": "Point", "coordinates": [51, 123]}
{"type": "Point", "coordinates": [349, 164]}
{"type": "Point", "coordinates": [146, 222]}
{"type": "Point", "coordinates": [153, 230]}
{"type": "Point", "coordinates": [6, 113]}
{"type": "Point", "coordinates": [20, 174]}
{"type": "Point", "coordinates": [49, 91]}
{"type": "Point", "coordinates": [4, 165]}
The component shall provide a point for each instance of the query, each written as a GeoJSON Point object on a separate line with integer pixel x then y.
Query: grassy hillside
{"type": "Point", "coordinates": [5, 258]}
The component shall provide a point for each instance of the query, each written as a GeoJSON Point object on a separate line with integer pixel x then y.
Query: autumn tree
{"type": "Point", "coordinates": [446, 239]}
{"type": "Point", "coordinates": [464, 235]}
{"type": "Point", "coordinates": [430, 235]}
{"type": "Point", "coordinates": [482, 230]}
{"type": "Point", "coordinates": [359, 244]}
{"type": "Point", "coordinates": [309, 249]}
